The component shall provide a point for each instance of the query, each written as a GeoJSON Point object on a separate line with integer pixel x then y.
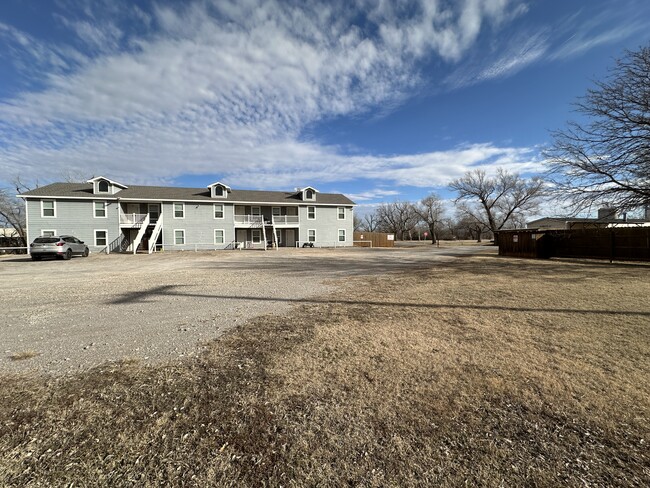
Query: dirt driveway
{"type": "Point", "coordinates": [61, 316]}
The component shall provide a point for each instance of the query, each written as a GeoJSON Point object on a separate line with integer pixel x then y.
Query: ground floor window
{"type": "Point", "coordinates": [257, 236]}
{"type": "Point", "coordinates": [48, 233]}
{"type": "Point", "coordinates": [311, 235]}
{"type": "Point", "coordinates": [101, 237]}
{"type": "Point", "coordinates": [341, 235]}
{"type": "Point", "coordinates": [219, 236]}
{"type": "Point", "coordinates": [179, 237]}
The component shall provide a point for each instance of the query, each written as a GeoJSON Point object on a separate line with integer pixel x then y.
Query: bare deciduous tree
{"type": "Point", "coordinates": [495, 201]}
{"type": "Point", "coordinates": [607, 160]}
{"type": "Point", "coordinates": [397, 217]}
{"type": "Point", "coordinates": [12, 214]}
{"type": "Point", "coordinates": [431, 211]}
{"type": "Point", "coordinates": [370, 222]}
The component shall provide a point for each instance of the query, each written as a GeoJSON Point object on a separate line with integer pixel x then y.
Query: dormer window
{"type": "Point", "coordinates": [219, 190]}
{"type": "Point", "coordinates": [104, 185]}
{"type": "Point", "coordinates": [308, 193]}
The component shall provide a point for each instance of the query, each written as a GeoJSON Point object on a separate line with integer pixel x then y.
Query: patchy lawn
{"type": "Point", "coordinates": [482, 371]}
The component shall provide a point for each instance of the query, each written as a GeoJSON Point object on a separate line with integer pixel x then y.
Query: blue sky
{"type": "Point", "coordinates": [378, 99]}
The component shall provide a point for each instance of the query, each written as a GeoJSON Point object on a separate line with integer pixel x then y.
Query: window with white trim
{"type": "Point", "coordinates": [219, 236]}
{"type": "Point", "coordinates": [341, 235]}
{"type": "Point", "coordinates": [218, 210]}
{"type": "Point", "coordinates": [311, 235]}
{"type": "Point", "coordinates": [100, 209]}
{"type": "Point", "coordinates": [179, 237]}
{"type": "Point", "coordinates": [102, 186]}
{"type": "Point", "coordinates": [256, 211]}
{"type": "Point", "coordinates": [48, 233]}
{"type": "Point", "coordinates": [311, 213]}
{"type": "Point", "coordinates": [48, 208]}
{"type": "Point", "coordinates": [101, 237]}
{"type": "Point", "coordinates": [179, 210]}
{"type": "Point", "coordinates": [257, 236]}
{"type": "Point", "coordinates": [309, 194]}
{"type": "Point", "coordinates": [341, 213]}
{"type": "Point", "coordinates": [276, 211]}
{"type": "Point", "coordinates": [218, 191]}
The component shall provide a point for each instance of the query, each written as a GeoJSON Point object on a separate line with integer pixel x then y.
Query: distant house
{"type": "Point", "coordinates": [110, 216]}
{"type": "Point", "coordinates": [606, 218]}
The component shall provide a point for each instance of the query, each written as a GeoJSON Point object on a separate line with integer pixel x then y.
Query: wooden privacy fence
{"type": "Point", "coordinates": [617, 243]}
{"type": "Point", "coordinates": [377, 239]}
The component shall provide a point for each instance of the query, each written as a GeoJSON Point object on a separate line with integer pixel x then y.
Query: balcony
{"type": "Point", "coordinates": [249, 220]}
{"type": "Point", "coordinates": [132, 219]}
{"type": "Point", "coordinates": [286, 220]}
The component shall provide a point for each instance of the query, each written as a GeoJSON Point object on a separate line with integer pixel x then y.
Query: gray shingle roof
{"type": "Point", "coordinates": [85, 190]}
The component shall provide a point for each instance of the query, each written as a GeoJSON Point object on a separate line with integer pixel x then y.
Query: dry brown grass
{"type": "Point", "coordinates": [485, 371]}
{"type": "Point", "coordinates": [22, 355]}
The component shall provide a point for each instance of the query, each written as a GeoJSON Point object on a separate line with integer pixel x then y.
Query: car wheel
{"type": "Point", "coordinates": [86, 252]}
{"type": "Point", "coordinates": [68, 254]}
{"type": "Point", "coordinates": [36, 258]}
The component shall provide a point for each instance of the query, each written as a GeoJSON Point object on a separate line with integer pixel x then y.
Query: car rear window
{"type": "Point", "coordinates": [46, 240]}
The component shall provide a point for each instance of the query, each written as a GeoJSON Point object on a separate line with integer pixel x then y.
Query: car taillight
{"type": "Point", "coordinates": [60, 243]}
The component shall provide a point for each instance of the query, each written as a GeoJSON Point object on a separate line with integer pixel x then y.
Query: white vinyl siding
{"type": "Point", "coordinates": [341, 213]}
{"type": "Point", "coordinates": [99, 209]}
{"type": "Point", "coordinates": [218, 211]}
{"type": "Point", "coordinates": [311, 213]}
{"type": "Point", "coordinates": [48, 208]}
{"type": "Point", "coordinates": [219, 236]}
{"type": "Point", "coordinates": [341, 235]}
{"type": "Point", "coordinates": [101, 237]}
{"type": "Point", "coordinates": [311, 235]}
{"type": "Point", "coordinates": [179, 210]}
{"type": "Point", "coordinates": [179, 237]}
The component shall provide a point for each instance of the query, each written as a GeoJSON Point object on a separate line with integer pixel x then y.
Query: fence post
{"type": "Point", "coordinates": [613, 246]}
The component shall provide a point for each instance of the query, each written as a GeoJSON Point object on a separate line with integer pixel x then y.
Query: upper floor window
{"type": "Point", "coordinates": [309, 194]}
{"type": "Point", "coordinates": [100, 209]}
{"type": "Point", "coordinates": [218, 191]}
{"type": "Point", "coordinates": [276, 211]}
{"type": "Point", "coordinates": [218, 211]}
{"type": "Point", "coordinates": [102, 186]}
{"type": "Point", "coordinates": [341, 213]}
{"type": "Point", "coordinates": [179, 210]}
{"type": "Point", "coordinates": [311, 212]}
{"type": "Point", "coordinates": [48, 208]}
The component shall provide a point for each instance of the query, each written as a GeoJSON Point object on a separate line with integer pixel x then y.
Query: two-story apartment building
{"type": "Point", "coordinates": [112, 217]}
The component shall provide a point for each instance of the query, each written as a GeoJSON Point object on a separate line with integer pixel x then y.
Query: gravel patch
{"type": "Point", "coordinates": [63, 316]}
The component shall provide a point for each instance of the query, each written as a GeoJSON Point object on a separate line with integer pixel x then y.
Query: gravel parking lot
{"type": "Point", "coordinates": [60, 316]}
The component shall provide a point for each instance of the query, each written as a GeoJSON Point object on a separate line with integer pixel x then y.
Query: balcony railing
{"type": "Point", "coordinates": [285, 219]}
{"type": "Point", "coordinates": [248, 219]}
{"type": "Point", "coordinates": [132, 218]}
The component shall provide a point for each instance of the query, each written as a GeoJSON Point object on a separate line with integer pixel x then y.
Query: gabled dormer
{"type": "Point", "coordinates": [104, 186]}
{"type": "Point", "coordinates": [219, 190]}
{"type": "Point", "coordinates": [307, 194]}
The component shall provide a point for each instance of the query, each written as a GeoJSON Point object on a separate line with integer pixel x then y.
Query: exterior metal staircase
{"type": "Point", "coordinates": [144, 223]}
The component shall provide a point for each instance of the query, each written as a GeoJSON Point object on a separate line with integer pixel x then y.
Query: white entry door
{"type": "Point", "coordinates": [291, 237]}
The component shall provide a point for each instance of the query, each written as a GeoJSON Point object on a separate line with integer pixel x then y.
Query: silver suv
{"type": "Point", "coordinates": [62, 247]}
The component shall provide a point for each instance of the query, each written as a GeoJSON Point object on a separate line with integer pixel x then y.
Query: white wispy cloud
{"type": "Point", "coordinates": [228, 88]}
